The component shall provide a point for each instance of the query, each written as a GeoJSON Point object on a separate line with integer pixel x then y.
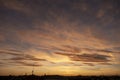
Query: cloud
{"type": "Point", "coordinates": [100, 50]}
{"type": "Point", "coordinates": [1, 64]}
{"type": "Point", "coordinates": [91, 58]}
{"type": "Point", "coordinates": [68, 48]}
{"type": "Point", "coordinates": [87, 57]}
{"type": "Point", "coordinates": [14, 57]}
{"type": "Point", "coordinates": [28, 64]}
{"type": "Point", "coordinates": [17, 6]}
{"type": "Point", "coordinates": [32, 58]}
{"type": "Point", "coordinates": [10, 53]}
{"type": "Point", "coordinates": [19, 55]}
{"type": "Point", "coordinates": [106, 63]}
{"type": "Point", "coordinates": [14, 50]}
{"type": "Point", "coordinates": [89, 64]}
{"type": "Point", "coordinates": [76, 49]}
{"type": "Point", "coordinates": [2, 37]}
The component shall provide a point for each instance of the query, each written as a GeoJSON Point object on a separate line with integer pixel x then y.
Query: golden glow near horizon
{"type": "Point", "coordinates": [58, 37]}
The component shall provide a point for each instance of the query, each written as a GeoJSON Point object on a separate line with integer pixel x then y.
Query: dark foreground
{"type": "Point", "coordinates": [55, 77]}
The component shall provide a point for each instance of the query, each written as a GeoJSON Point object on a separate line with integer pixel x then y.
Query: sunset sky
{"type": "Point", "coordinates": [63, 37]}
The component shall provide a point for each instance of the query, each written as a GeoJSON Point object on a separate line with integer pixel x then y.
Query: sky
{"type": "Point", "coordinates": [60, 37]}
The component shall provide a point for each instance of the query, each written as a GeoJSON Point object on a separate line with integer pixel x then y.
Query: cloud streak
{"type": "Point", "coordinates": [27, 64]}
{"type": "Point", "coordinates": [19, 58]}
{"type": "Point", "coordinates": [74, 49]}
{"type": "Point", "coordinates": [20, 55]}
{"type": "Point", "coordinates": [86, 57]}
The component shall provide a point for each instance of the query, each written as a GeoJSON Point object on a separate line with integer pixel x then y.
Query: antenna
{"type": "Point", "coordinates": [33, 70]}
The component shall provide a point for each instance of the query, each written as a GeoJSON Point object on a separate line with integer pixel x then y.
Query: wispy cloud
{"type": "Point", "coordinates": [27, 63]}
{"type": "Point", "coordinates": [32, 58]}
{"type": "Point", "coordinates": [106, 63]}
{"type": "Point", "coordinates": [74, 49]}
{"type": "Point", "coordinates": [20, 56]}
{"type": "Point", "coordinates": [87, 57]}
{"type": "Point", "coordinates": [10, 53]}
{"type": "Point", "coordinates": [89, 64]}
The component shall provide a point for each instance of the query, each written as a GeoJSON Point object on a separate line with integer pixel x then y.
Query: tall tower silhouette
{"type": "Point", "coordinates": [33, 70]}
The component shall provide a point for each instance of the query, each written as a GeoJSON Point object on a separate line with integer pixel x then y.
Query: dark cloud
{"type": "Point", "coordinates": [101, 50]}
{"type": "Point", "coordinates": [10, 53]}
{"type": "Point", "coordinates": [29, 58]}
{"type": "Point", "coordinates": [87, 57]}
{"type": "Point", "coordinates": [19, 59]}
{"type": "Point", "coordinates": [74, 49]}
{"type": "Point", "coordinates": [106, 63]}
{"type": "Point", "coordinates": [18, 55]}
{"type": "Point", "coordinates": [116, 48]}
{"type": "Point", "coordinates": [89, 64]}
{"type": "Point", "coordinates": [28, 64]}
{"type": "Point", "coordinates": [32, 58]}
{"type": "Point", "coordinates": [66, 48]}
{"type": "Point", "coordinates": [13, 50]}
{"type": "Point", "coordinates": [1, 64]}
{"type": "Point", "coordinates": [91, 58]}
